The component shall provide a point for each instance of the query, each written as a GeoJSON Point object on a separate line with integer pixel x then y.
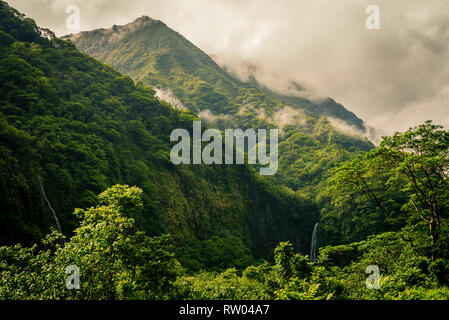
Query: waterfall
{"type": "Point", "coordinates": [313, 245]}
{"type": "Point", "coordinates": [55, 217]}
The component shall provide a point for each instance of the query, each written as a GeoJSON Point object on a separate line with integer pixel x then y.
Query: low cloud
{"type": "Point", "coordinates": [167, 95]}
{"type": "Point", "coordinates": [280, 118]}
{"type": "Point", "coordinates": [208, 116]}
{"type": "Point", "coordinates": [349, 130]}
{"type": "Point", "coordinates": [288, 116]}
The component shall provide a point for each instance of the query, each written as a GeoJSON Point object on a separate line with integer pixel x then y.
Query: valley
{"type": "Point", "coordinates": [92, 126]}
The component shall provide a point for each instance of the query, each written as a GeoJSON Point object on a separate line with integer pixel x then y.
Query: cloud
{"type": "Point", "coordinates": [283, 117]}
{"type": "Point", "coordinates": [352, 131]}
{"type": "Point", "coordinates": [345, 128]}
{"type": "Point", "coordinates": [167, 95]}
{"type": "Point", "coordinates": [288, 116]}
{"type": "Point", "coordinates": [208, 116]}
{"type": "Point", "coordinates": [393, 78]}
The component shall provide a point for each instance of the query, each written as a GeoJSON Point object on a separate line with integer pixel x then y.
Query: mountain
{"type": "Point", "coordinates": [315, 136]}
{"type": "Point", "coordinates": [70, 127]}
{"type": "Point", "coordinates": [149, 51]}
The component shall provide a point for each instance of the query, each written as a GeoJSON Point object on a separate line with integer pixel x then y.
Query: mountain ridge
{"type": "Point", "coordinates": [79, 127]}
{"type": "Point", "coordinates": [162, 58]}
{"type": "Point", "coordinates": [327, 106]}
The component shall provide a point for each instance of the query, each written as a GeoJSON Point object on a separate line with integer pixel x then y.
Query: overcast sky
{"type": "Point", "coordinates": [393, 78]}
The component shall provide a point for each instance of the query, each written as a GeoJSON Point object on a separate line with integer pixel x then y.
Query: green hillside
{"type": "Point", "coordinates": [153, 54]}
{"type": "Point", "coordinates": [79, 127]}
{"type": "Point", "coordinates": [314, 137]}
{"type": "Point", "coordinates": [147, 50]}
{"type": "Point", "coordinates": [85, 150]}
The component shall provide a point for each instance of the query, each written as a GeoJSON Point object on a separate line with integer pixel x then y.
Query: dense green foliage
{"type": "Point", "coordinates": [117, 261]}
{"type": "Point", "coordinates": [404, 181]}
{"type": "Point", "coordinates": [72, 128]}
{"type": "Point", "coordinates": [79, 127]}
{"type": "Point", "coordinates": [310, 146]}
{"type": "Point", "coordinates": [151, 53]}
{"type": "Point", "coordinates": [114, 260]}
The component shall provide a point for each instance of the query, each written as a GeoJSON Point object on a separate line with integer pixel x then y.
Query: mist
{"type": "Point", "coordinates": [393, 78]}
{"type": "Point", "coordinates": [168, 96]}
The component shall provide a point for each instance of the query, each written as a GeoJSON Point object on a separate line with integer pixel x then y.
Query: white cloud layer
{"type": "Point", "coordinates": [393, 78]}
{"type": "Point", "coordinates": [168, 96]}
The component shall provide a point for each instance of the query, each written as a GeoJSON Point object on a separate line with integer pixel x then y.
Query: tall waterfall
{"type": "Point", "coordinates": [313, 246]}
{"type": "Point", "coordinates": [55, 217]}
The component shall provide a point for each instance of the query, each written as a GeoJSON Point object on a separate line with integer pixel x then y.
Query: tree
{"type": "Point", "coordinates": [115, 261]}
{"type": "Point", "coordinates": [416, 162]}
{"type": "Point", "coordinates": [290, 264]}
{"type": "Point", "coordinates": [421, 156]}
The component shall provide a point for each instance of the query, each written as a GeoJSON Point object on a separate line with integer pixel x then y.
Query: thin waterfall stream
{"type": "Point", "coordinates": [313, 245]}
{"type": "Point", "coordinates": [55, 217]}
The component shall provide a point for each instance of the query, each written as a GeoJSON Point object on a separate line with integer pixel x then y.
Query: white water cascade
{"type": "Point", "coordinates": [313, 246]}
{"type": "Point", "coordinates": [55, 217]}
